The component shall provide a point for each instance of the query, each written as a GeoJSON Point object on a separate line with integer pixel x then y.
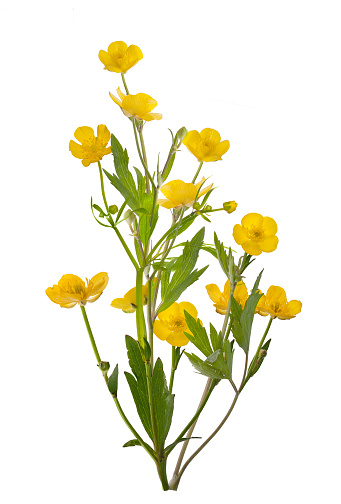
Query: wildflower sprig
{"type": "Point", "coordinates": [148, 226]}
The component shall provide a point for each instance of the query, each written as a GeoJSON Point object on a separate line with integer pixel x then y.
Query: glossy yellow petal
{"type": "Point", "coordinates": [210, 136]}
{"type": "Point", "coordinates": [241, 294]}
{"type": "Point", "coordinates": [172, 311]}
{"type": "Point", "coordinates": [120, 94]}
{"type": "Point", "coordinates": [214, 292]}
{"type": "Point", "coordinates": [166, 203]}
{"type": "Point", "coordinates": [221, 309]}
{"type": "Point", "coordinates": [86, 162]}
{"type": "Point", "coordinates": [240, 234]}
{"type": "Point", "coordinates": [269, 244]}
{"type": "Point", "coordinates": [59, 296]}
{"type": "Point", "coordinates": [179, 192]}
{"type": "Point", "coordinates": [269, 225]}
{"type": "Point", "coordinates": [161, 330]}
{"type": "Point", "coordinates": [252, 219]}
{"type": "Point", "coordinates": [103, 135]}
{"type": "Point", "coordinates": [76, 150]}
{"type": "Point", "coordinates": [117, 48]}
{"type": "Point", "coordinates": [85, 135]}
{"type": "Point", "coordinates": [105, 58]}
{"type": "Point", "coordinates": [294, 307]}
{"type": "Point", "coordinates": [189, 307]}
{"type": "Point", "coordinates": [134, 55]}
{"type": "Point", "coordinates": [151, 116]}
{"type": "Point", "coordinates": [222, 148]}
{"type": "Point", "coordinates": [138, 104]}
{"type": "Point", "coordinates": [227, 289]}
{"type": "Point", "coordinates": [116, 100]}
{"type": "Point", "coordinates": [121, 304]}
{"type": "Point", "coordinates": [192, 139]}
{"type": "Point", "coordinates": [92, 299]}
{"type": "Point", "coordinates": [204, 190]}
{"type": "Point", "coordinates": [251, 248]}
{"type": "Point", "coordinates": [69, 305]}
{"type": "Point", "coordinates": [130, 296]}
{"type": "Point", "coordinates": [276, 295]}
{"type": "Point", "coordinates": [177, 339]}
{"type": "Point", "coordinates": [97, 284]}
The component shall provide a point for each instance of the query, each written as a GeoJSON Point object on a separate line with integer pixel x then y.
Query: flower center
{"type": "Point", "coordinates": [177, 324]}
{"type": "Point", "coordinates": [255, 233]}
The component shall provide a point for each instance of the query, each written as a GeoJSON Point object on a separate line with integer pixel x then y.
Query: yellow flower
{"type": "Point", "coordinates": [92, 148]}
{"type": "Point", "coordinates": [172, 323]}
{"type": "Point", "coordinates": [206, 145]}
{"type": "Point", "coordinates": [138, 106]}
{"type": "Point", "coordinates": [220, 299]}
{"type": "Point", "coordinates": [128, 302]}
{"type": "Point", "coordinates": [72, 290]}
{"type": "Point", "coordinates": [230, 206]}
{"type": "Point", "coordinates": [276, 305]}
{"type": "Point", "coordinates": [120, 58]}
{"type": "Point", "coordinates": [179, 193]}
{"type": "Point", "coordinates": [256, 234]}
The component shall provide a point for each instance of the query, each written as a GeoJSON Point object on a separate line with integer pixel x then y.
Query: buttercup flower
{"type": "Point", "coordinates": [256, 234]}
{"type": "Point", "coordinates": [92, 148]}
{"type": "Point", "coordinates": [206, 145]}
{"type": "Point", "coordinates": [120, 58]}
{"type": "Point", "coordinates": [138, 106]}
{"type": "Point", "coordinates": [230, 206]}
{"type": "Point", "coordinates": [71, 290]}
{"type": "Point", "coordinates": [172, 323]}
{"type": "Point", "coordinates": [179, 193]}
{"type": "Point", "coordinates": [276, 305]}
{"type": "Point", "coordinates": [128, 302]}
{"type": "Point", "coordinates": [220, 299]}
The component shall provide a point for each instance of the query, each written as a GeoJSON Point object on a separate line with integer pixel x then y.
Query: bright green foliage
{"type": "Point", "coordinates": [113, 381]}
{"type": "Point", "coordinates": [199, 336]}
{"type": "Point", "coordinates": [163, 402]}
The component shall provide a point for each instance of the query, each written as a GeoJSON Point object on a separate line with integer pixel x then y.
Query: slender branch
{"type": "Point", "coordinates": [91, 336]}
{"type": "Point", "coordinates": [171, 379]}
{"type": "Point", "coordinates": [125, 246]}
{"type": "Point", "coordinates": [150, 323]}
{"type": "Point", "coordinates": [197, 172]}
{"type": "Point", "coordinates": [124, 83]}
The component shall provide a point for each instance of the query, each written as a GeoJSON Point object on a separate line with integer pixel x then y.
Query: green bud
{"type": "Point", "coordinates": [104, 366]}
{"type": "Point", "coordinates": [208, 208]}
{"type": "Point", "coordinates": [262, 353]}
{"type": "Point", "coordinates": [196, 206]}
{"type": "Point", "coordinates": [230, 206]}
{"type": "Point", "coordinates": [180, 134]}
{"type": "Point", "coordinates": [113, 209]}
{"type": "Point", "coordinates": [129, 216]}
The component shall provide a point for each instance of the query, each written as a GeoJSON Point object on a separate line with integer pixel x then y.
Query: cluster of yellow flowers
{"type": "Point", "coordinates": [256, 234]}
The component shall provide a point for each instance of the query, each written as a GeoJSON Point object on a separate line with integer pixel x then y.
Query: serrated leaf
{"type": "Point", "coordinates": [169, 167]}
{"type": "Point", "coordinates": [216, 338]}
{"type": "Point", "coordinates": [141, 183]}
{"type": "Point", "coordinates": [202, 367]}
{"type": "Point", "coordinates": [130, 199]}
{"type": "Point", "coordinates": [218, 362]}
{"type": "Point", "coordinates": [198, 335]}
{"type": "Point", "coordinates": [121, 161]}
{"type": "Point", "coordinates": [228, 351]}
{"type": "Point", "coordinates": [138, 384]}
{"type": "Point", "coordinates": [113, 382]}
{"type": "Point", "coordinates": [132, 442]}
{"type": "Point", "coordinates": [221, 254]}
{"type": "Point", "coordinates": [163, 402]}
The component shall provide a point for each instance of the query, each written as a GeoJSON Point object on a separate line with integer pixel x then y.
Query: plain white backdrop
{"type": "Point", "coordinates": [264, 74]}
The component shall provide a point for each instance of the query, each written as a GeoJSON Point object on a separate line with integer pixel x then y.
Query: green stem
{"type": "Point", "coordinates": [197, 172]}
{"type": "Point", "coordinates": [125, 246]}
{"type": "Point", "coordinates": [176, 480]}
{"type": "Point", "coordinates": [138, 145]}
{"type": "Point", "coordinates": [151, 407]}
{"type": "Point", "coordinates": [144, 154]}
{"type": "Point", "coordinates": [92, 340]}
{"type": "Point", "coordinates": [163, 474]}
{"type": "Point", "coordinates": [124, 83]}
{"type": "Point", "coordinates": [102, 187]}
{"type": "Point", "coordinates": [140, 321]}
{"type": "Point", "coordinates": [150, 323]}
{"type": "Point", "coordinates": [228, 309]}
{"type": "Point", "coordinates": [171, 379]}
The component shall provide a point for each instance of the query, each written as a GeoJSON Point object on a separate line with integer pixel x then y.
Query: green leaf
{"type": "Point", "coordinates": [228, 351]}
{"type": "Point", "coordinates": [138, 252]}
{"type": "Point", "coordinates": [172, 296]}
{"type": "Point", "coordinates": [120, 211]}
{"type": "Point", "coordinates": [204, 368]}
{"type": "Point", "coordinates": [186, 222]}
{"type": "Point", "coordinates": [113, 382]}
{"type": "Point", "coordinates": [121, 161]}
{"type": "Point", "coordinates": [138, 384]}
{"type": "Point", "coordinates": [218, 362]}
{"type": "Point", "coordinates": [98, 208]}
{"type": "Point", "coordinates": [131, 200]}
{"type": "Point", "coordinates": [216, 339]}
{"type": "Point", "coordinates": [163, 402]}
{"type": "Point", "coordinates": [141, 183]}
{"type": "Point", "coordinates": [170, 447]}
{"type": "Point", "coordinates": [132, 442]}
{"type": "Point", "coordinates": [237, 329]}
{"type": "Point", "coordinates": [221, 254]}
{"type": "Point", "coordinates": [169, 167]}
{"type": "Point", "coordinates": [199, 336]}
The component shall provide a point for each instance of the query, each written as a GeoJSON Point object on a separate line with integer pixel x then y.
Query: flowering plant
{"type": "Point", "coordinates": [162, 277]}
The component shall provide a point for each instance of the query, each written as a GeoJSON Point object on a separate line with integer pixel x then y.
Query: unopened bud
{"type": "Point", "coordinates": [104, 366]}
{"type": "Point", "coordinates": [262, 353]}
{"type": "Point", "coordinates": [196, 206]}
{"type": "Point", "coordinates": [208, 208]}
{"type": "Point", "coordinates": [180, 135]}
{"type": "Point", "coordinates": [113, 209]}
{"type": "Point", "coordinates": [230, 206]}
{"type": "Point", "coordinates": [129, 216]}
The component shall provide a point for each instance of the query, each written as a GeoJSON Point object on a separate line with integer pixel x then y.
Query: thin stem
{"type": "Point", "coordinates": [102, 187]}
{"type": "Point", "coordinates": [171, 379]}
{"type": "Point", "coordinates": [125, 246]}
{"type": "Point", "coordinates": [91, 336]}
{"type": "Point", "coordinates": [176, 481]}
{"type": "Point", "coordinates": [197, 172]}
{"type": "Point", "coordinates": [144, 154]}
{"type": "Point", "coordinates": [124, 83]}
{"type": "Point", "coordinates": [228, 309]}
{"type": "Point", "coordinates": [137, 144]}
{"type": "Point", "coordinates": [151, 407]}
{"type": "Point", "coordinates": [150, 323]}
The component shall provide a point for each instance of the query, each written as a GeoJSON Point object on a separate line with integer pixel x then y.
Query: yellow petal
{"type": "Point", "coordinates": [191, 309]}
{"type": "Point", "coordinates": [269, 225]}
{"type": "Point", "coordinates": [139, 104]}
{"type": "Point", "coordinates": [227, 289]}
{"type": "Point", "coordinates": [269, 244]}
{"type": "Point", "coordinates": [59, 296]}
{"type": "Point", "coordinates": [192, 139]}
{"type": "Point", "coordinates": [210, 135]}
{"type": "Point", "coordinates": [179, 192]}
{"type": "Point", "coordinates": [161, 330]}
{"type": "Point", "coordinates": [105, 58]}
{"type": "Point", "coordinates": [85, 135]}
{"type": "Point", "coordinates": [134, 55]}
{"type": "Point", "coordinates": [130, 296]}
{"type": "Point", "coordinates": [97, 284]}
{"type": "Point", "coordinates": [173, 310]}
{"type": "Point", "coordinates": [166, 203]}
{"type": "Point", "coordinates": [214, 292]}
{"type": "Point", "coordinates": [92, 299]}
{"type": "Point", "coordinates": [252, 219]}
{"type": "Point", "coordinates": [103, 135]}
{"type": "Point", "coordinates": [121, 304]}
{"type": "Point", "coordinates": [86, 162]}
{"type": "Point", "coordinates": [205, 190]}
{"type": "Point", "coordinates": [222, 148]}
{"type": "Point", "coordinates": [120, 94]}
{"type": "Point", "coordinates": [240, 234]}
{"type": "Point", "coordinates": [150, 116]}
{"type": "Point", "coordinates": [251, 248]}
{"type": "Point", "coordinates": [177, 339]}
{"type": "Point", "coordinates": [276, 295]}
{"type": "Point", "coordinates": [116, 48]}
{"type": "Point", "coordinates": [76, 150]}
{"type": "Point", "coordinates": [116, 100]}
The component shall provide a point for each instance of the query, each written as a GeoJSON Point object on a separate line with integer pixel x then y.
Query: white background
{"type": "Point", "coordinates": [264, 74]}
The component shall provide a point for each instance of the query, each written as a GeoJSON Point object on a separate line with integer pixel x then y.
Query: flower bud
{"type": "Point", "coordinates": [196, 206]}
{"type": "Point", "coordinates": [230, 206]}
{"type": "Point", "coordinates": [208, 208]}
{"type": "Point", "coordinates": [104, 366]}
{"type": "Point", "coordinates": [180, 134]}
{"type": "Point", "coordinates": [129, 216]}
{"type": "Point", "coordinates": [113, 209]}
{"type": "Point", "coordinates": [262, 353]}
